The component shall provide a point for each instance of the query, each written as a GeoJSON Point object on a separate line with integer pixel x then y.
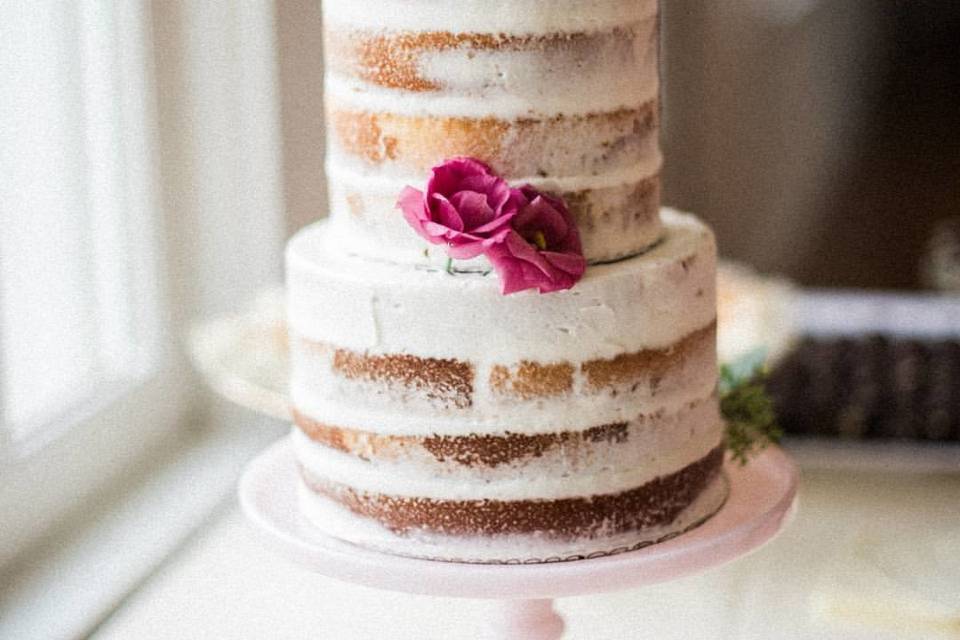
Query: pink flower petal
{"type": "Point", "coordinates": [551, 260]}
{"type": "Point", "coordinates": [472, 208]}
{"type": "Point", "coordinates": [437, 231]}
{"type": "Point", "coordinates": [511, 276]}
{"type": "Point", "coordinates": [547, 220]}
{"type": "Point", "coordinates": [466, 250]}
{"type": "Point", "coordinates": [529, 237]}
{"type": "Point", "coordinates": [411, 200]}
{"type": "Point", "coordinates": [445, 212]}
{"type": "Point", "coordinates": [497, 224]}
{"type": "Point", "coordinates": [412, 206]}
{"type": "Point", "coordinates": [570, 263]}
{"type": "Point", "coordinates": [464, 204]}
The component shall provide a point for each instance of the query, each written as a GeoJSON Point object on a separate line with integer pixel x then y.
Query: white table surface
{"type": "Point", "coordinates": [870, 556]}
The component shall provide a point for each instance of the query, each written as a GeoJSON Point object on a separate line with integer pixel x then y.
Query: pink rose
{"type": "Point", "coordinates": [466, 207]}
{"type": "Point", "coordinates": [542, 251]}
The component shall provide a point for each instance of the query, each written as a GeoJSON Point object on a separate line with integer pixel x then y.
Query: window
{"type": "Point", "coordinates": [83, 311]}
{"type": "Point", "coordinates": [139, 190]}
{"type": "Point", "coordinates": [78, 277]}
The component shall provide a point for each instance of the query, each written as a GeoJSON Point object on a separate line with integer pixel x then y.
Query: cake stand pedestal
{"type": "Point", "coordinates": [762, 499]}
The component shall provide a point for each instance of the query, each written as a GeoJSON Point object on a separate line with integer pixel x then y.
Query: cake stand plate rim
{"type": "Point", "coordinates": [762, 500]}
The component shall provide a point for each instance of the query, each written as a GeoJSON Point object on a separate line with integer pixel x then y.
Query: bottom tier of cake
{"type": "Point", "coordinates": [524, 531]}
{"type": "Point", "coordinates": [435, 417]}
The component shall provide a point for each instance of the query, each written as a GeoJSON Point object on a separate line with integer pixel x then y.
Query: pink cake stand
{"type": "Point", "coordinates": [762, 499]}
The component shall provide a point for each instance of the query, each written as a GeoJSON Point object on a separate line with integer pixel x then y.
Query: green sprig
{"type": "Point", "coordinates": [748, 410]}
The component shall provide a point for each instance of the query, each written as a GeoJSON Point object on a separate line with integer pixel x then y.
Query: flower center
{"type": "Point", "coordinates": [540, 240]}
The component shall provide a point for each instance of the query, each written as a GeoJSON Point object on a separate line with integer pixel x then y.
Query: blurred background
{"type": "Point", "coordinates": [155, 156]}
{"type": "Point", "coordinates": [820, 138]}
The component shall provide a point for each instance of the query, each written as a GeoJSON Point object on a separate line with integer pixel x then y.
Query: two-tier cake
{"type": "Point", "coordinates": [436, 416]}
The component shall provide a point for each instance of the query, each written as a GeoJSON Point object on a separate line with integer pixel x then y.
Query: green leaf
{"type": "Point", "coordinates": [748, 411]}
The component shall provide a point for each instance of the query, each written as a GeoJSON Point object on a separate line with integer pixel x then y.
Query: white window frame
{"type": "Point", "coordinates": [85, 158]}
{"type": "Point", "coordinates": [58, 465]}
{"type": "Point", "coordinates": [212, 194]}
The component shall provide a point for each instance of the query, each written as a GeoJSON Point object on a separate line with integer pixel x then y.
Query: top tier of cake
{"type": "Point", "coordinates": [561, 94]}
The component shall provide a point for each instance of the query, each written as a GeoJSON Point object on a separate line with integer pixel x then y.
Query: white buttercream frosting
{"type": "Point", "coordinates": [409, 481]}
{"type": "Point", "coordinates": [335, 403]}
{"type": "Point", "coordinates": [487, 16]}
{"type": "Point", "coordinates": [648, 452]}
{"type": "Point", "coordinates": [647, 302]}
{"type": "Point", "coordinates": [593, 451]}
{"type": "Point", "coordinates": [546, 95]}
{"type": "Point", "coordinates": [343, 170]}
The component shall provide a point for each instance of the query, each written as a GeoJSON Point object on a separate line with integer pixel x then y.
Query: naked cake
{"type": "Point", "coordinates": [479, 409]}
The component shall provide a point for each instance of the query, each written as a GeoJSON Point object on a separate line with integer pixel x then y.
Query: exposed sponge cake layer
{"type": "Point", "coordinates": [505, 75]}
{"type": "Point", "coordinates": [492, 531]}
{"type": "Point", "coordinates": [580, 147]}
{"type": "Point", "coordinates": [511, 464]}
{"type": "Point", "coordinates": [614, 509]}
{"type": "Point", "coordinates": [405, 395]}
